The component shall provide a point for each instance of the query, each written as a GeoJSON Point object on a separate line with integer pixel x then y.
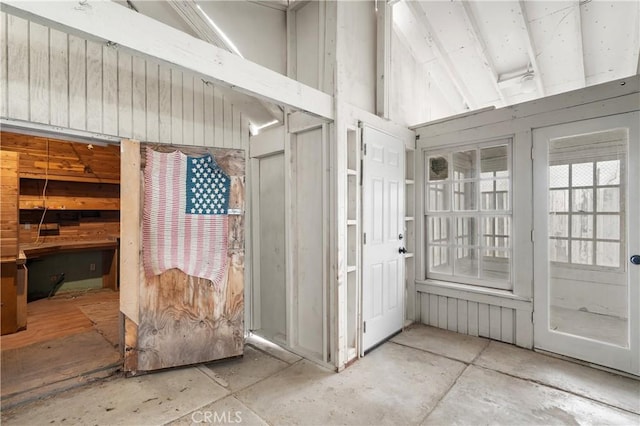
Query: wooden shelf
{"type": "Point", "coordinates": [29, 202]}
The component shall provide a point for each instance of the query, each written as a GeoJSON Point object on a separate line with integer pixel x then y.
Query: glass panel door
{"type": "Point", "coordinates": [587, 228]}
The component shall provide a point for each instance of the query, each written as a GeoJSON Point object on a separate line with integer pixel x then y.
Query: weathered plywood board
{"type": "Point", "coordinates": [183, 319]}
{"type": "Point", "coordinates": [9, 205]}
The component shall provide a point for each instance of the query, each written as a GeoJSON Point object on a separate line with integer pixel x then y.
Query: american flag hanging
{"type": "Point", "coordinates": [185, 222]}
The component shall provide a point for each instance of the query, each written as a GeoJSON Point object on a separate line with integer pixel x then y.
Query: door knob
{"type": "Point", "coordinates": [635, 259]}
{"type": "Point", "coordinates": [402, 250]}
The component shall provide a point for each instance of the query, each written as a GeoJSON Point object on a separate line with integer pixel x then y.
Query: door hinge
{"type": "Point", "coordinates": [364, 327]}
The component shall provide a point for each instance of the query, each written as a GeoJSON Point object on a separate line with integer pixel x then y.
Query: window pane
{"type": "Point", "coordinates": [608, 254]}
{"type": "Point", "coordinates": [583, 200]}
{"type": "Point", "coordinates": [608, 199]}
{"type": "Point", "coordinates": [582, 174]}
{"type": "Point", "coordinates": [496, 231]}
{"type": "Point", "coordinates": [465, 231]}
{"type": "Point", "coordinates": [558, 250]}
{"type": "Point", "coordinates": [438, 168]}
{"type": "Point", "coordinates": [608, 226]}
{"type": "Point", "coordinates": [496, 265]}
{"type": "Point", "coordinates": [439, 260]}
{"type": "Point", "coordinates": [493, 160]}
{"type": "Point", "coordinates": [558, 225]}
{"type": "Point", "coordinates": [438, 197]}
{"type": "Point", "coordinates": [582, 226]}
{"type": "Point", "coordinates": [464, 196]}
{"type": "Point", "coordinates": [495, 194]}
{"type": "Point", "coordinates": [608, 172]}
{"type": "Point", "coordinates": [559, 200]}
{"type": "Point", "coordinates": [464, 165]}
{"type": "Point", "coordinates": [466, 262]}
{"type": "Point", "coordinates": [559, 176]}
{"type": "Point", "coordinates": [582, 252]}
{"type": "Point", "coordinates": [438, 230]}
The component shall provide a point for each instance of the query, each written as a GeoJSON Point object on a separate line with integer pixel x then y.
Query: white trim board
{"type": "Point", "coordinates": [110, 22]}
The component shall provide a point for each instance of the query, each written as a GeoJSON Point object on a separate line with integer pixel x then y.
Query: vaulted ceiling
{"type": "Point", "coordinates": [477, 53]}
{"type": "Point", "coordinates": [480, 53]}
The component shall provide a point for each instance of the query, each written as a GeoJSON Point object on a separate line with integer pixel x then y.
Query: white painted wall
{"type": "Point", "coordinates": [307, 44]}
{"type": "Point", "coordinates": [52, 78]}
{"type": "Point", "coordinates": [356, 54]}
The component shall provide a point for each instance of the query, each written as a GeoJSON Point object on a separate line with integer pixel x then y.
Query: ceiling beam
{"type": "Point", "coordinates": [198, 21]}
{"type": "Point", "coordinates": [531, 48]}
{"type": "Point", "coordinates": [432, 40]}
{"type": "Point", "coordinates": [107, 21]}
{"type": "Point", "coordinates": [481, 48]}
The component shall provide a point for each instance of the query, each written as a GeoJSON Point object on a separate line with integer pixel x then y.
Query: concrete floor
{"type": "Point", "coordinates": [422, 376]}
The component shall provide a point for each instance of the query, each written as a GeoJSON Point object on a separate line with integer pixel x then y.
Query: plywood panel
{"type": "Point", "coordinates": [17, 68]}
{"type": "Point", "coordinates": [8, 298]}
{"type": "Point", "coordinates": [38, 73]}
{"type": "Point", "coordinates": [59, 78]}
{"type": "Point", "coordinates": [272, 244]}
{"type": "Point", "coordinates": [198, 313]}
{"type": "Point", "coordinates": [94, 87]}
{"type": "Point", "coordinates": [308, 238]}
{"type": "Point", "coordinates": [78, 82]}
{"type": "Point", "coordinates": [109, 90]}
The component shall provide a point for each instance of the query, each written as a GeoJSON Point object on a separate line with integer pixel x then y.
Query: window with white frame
{"type": "Point", "coordinates": [468, 214]}
{"type": "Point", "coordinates": [586, 202]}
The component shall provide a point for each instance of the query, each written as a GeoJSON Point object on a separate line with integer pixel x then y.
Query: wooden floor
{"type": "Point", "coordinates": [68, 339]}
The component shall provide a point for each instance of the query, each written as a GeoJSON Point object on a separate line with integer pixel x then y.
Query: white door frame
{"type": "Point", "coordinates": [625, 359]}
{"type": "Point", "coordinates": [389, 328]}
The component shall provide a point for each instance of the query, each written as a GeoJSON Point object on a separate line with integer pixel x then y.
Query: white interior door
{"type": "Point", "coordinates": [383, 226]}
{"type": "Point", "coordinates": [587, 231]}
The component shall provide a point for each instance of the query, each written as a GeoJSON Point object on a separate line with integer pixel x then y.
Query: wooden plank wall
{"type": "Point", "coordinates": [474, 318]}
{"type": "Point", "coordinates": [50, 77]}
{"type": "Point", "coordinates": [9, 205]}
